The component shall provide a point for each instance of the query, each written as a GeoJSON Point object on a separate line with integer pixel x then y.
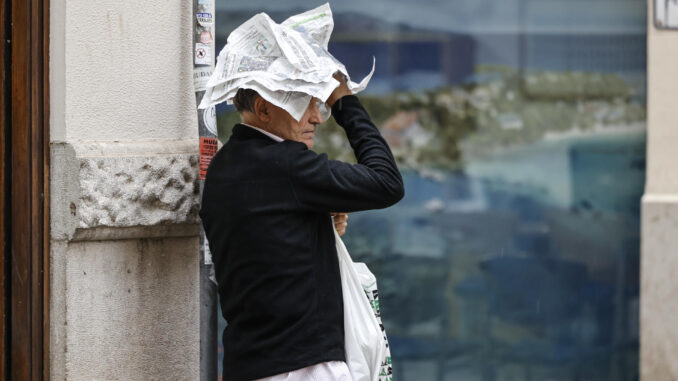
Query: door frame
{"type": "Point", "coordinates": [24, 202]}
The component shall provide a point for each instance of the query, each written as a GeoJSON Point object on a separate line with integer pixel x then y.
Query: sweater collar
{"type": "Point", "coordinates": [270, 135]}
{"type": "Point", "coordinates": [244, 131]}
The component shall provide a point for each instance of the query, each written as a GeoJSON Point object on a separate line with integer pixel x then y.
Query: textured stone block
{"type": "Point", "coordinates": [131, 185]}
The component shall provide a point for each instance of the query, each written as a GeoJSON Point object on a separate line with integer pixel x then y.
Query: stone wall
{"type": "Point", "coordinates": [124, 263]}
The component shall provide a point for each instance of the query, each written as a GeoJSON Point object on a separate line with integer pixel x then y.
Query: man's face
{"type": "Point", "coordinates": [285, 126]}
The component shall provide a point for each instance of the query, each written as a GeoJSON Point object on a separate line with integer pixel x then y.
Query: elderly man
{"type": "Point", "coordinates": [266, 209]}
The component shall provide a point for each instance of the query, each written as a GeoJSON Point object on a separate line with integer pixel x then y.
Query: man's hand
{"type": "Point", "coordinates": [340, 222]}
{"type": "Point", "coordinates": [339, 91]}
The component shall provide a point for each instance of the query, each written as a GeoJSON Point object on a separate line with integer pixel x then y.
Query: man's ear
{"type": "Point", "coordinates": [262, 109]}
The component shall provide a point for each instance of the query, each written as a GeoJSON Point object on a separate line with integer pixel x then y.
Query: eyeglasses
{"type": "Point", "coordinates": [324, 109]}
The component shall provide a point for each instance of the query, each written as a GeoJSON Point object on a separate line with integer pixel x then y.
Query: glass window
{"type": "Point", "coordinates": [519, 127]}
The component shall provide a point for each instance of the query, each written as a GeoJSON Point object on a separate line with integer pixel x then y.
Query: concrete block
{"type": "Point", "coordinates": [659, 304]}
{"type": "Point", "coordinates": [132, 310]}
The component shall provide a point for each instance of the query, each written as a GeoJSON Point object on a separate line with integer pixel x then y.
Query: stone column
{"type": "Point", "coordinates": [124, 266]}
{"type": "Point", "coordinates": [659, 256]}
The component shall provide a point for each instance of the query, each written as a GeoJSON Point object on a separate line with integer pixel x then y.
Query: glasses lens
{"type": "Point", "coordinates": [324, 109]}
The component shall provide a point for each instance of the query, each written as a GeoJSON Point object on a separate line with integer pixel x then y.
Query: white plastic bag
{"type": "Point", "coordinates": [369, 283]}
{"type": "Point", "coordinates": [364, 339]}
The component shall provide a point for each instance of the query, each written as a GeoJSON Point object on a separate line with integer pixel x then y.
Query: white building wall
{"type": "Point", "coordinates": [124, 265]}
{"type": "Point", "coordinates": [659, 256]}
{"type": "Point", "coordinates": [122, 70]}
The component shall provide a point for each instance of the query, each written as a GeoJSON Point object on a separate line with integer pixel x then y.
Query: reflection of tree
{"type": "Point", "coordinates": [552, 102]}
{"type": "Point", "coordinates": [225, 122]}
{"type": "Point", "coordinates": [574, 86]}
{"type": "Point", "coordinates": [498, 108]}
{"type": "Point", "coordinates": [451, 127]}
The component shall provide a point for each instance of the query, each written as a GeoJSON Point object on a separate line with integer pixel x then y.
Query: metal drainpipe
{"type": "Point", "coordinates": [203, 64]}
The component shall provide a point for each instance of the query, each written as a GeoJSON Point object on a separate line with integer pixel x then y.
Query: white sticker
{"type": "Point", "coordinates": [203, 54]}
{"type": "Point", "coordinates": [205, 19]}
{"type": "Point", "coordinates": [209, 117]}
{"type": "Point", "coordinates": [204, 2]}
{"type": "Point", "coordinates": [201, 75]}
{"type": "Point", "coordinates": [666, 14]}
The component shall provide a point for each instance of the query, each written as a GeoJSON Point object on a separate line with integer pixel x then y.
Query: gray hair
{"type": "Point", "coordinates": [244, 100]}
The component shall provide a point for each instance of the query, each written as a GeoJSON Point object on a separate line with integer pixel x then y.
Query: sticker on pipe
{"type": "Point", "coordinates": [201, 75]}
{"type": "Point", "coordinates": [208, 148]}
{"type": "Point", "coordinates": [203, 54]}
{"type": "Point", "coordinates": [205, 19]}
{"type": "Point", "coordinates": [209, 117]}
{"type": "Point", "coordinates": [206, 37]}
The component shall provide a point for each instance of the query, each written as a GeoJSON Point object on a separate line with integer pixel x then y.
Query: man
{"type": "Point", "coordinates": [266, 210]}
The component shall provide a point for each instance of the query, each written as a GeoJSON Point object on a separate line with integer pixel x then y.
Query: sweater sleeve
{"type": "Point", "coordinates": [327, 185]}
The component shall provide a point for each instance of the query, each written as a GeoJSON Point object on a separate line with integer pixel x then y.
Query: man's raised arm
{"type": "Point", "coordinates": [328, 185]}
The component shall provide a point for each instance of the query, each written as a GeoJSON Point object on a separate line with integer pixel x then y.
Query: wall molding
{"type": "Point", "coordinates": [124, 190]}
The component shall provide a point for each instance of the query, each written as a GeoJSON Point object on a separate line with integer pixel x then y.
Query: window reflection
{"type": "Point", "coordinates": [519, 127]}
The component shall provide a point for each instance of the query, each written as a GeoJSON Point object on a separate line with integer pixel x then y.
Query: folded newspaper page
{"type": "Point", "coordinates": [288, 64]}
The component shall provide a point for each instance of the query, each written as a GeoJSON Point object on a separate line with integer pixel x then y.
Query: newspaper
{"type": "Point", "coordinates": [288, 64]}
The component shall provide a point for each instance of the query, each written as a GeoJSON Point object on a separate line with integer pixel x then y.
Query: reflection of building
{"type": "Point", "coordinates": [596, 165]}
{"type": "Point", "coordinates": [400, 64]}
{"type": "Point", "coordinates": [435, 50]}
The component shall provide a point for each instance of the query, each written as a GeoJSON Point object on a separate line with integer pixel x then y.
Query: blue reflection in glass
{"type": "Point", "coordinates": [520, 129]}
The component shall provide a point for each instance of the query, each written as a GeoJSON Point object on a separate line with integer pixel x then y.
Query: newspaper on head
{"type": "Point", "coordinates": [288, 64]}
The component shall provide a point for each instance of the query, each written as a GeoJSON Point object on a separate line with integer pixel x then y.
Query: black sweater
{"type": "Point", "coordinates": [265, 210]}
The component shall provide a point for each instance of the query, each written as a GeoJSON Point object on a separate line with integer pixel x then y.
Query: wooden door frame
{"type": "Point", "coordinates": [4, 201]}
{"type": "Point", "coordinates": [24, 177]}
{"type": "Point", "coordinates": [4, 185]}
